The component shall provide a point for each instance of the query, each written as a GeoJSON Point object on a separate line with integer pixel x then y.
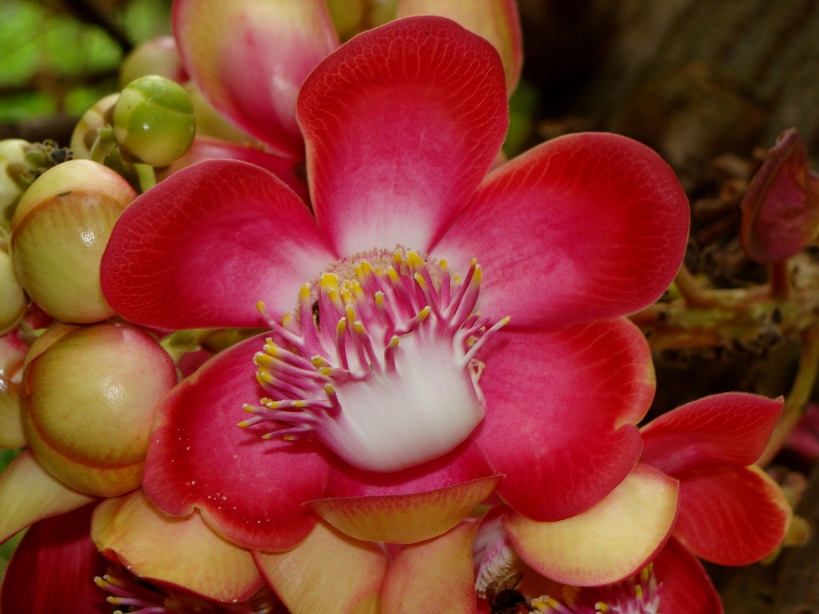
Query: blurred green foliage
{"type": "Point", "coordinates": [51, 62]}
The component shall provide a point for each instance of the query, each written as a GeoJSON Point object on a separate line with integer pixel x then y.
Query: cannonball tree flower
{"type": "Point", "coordinates": [730, 511]}
{"type": "Point", "coordinates": [57, 567]}
{"type": "Point", "coordinates": [672, 583]}
{"type": "Point", "coordinates": [434, 334]}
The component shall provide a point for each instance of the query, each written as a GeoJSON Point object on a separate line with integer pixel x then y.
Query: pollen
{"type": "Point", "coordinates": [378, 361]}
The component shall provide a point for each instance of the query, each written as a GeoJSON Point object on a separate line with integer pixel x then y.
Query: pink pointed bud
{"type": "Point", "coordinates": [88, 405]}
{"type": "Point", "coordinates": [780, 211]}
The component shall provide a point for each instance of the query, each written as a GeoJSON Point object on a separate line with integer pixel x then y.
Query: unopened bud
{"type": "Point", "coordinates": [58, 236]}
{"type": "Point", "coordinates": [88, 405]}
{"type": "Point", "coordinates": [12, 165]}
{"type": "Point", "coordinates": [153, 120]}
{"type": "Point", "coordinates": [158, 56]}
{"type": "Point", "coordinates": [85, 132]}
{"type": "Point", "coordinates": [13, 300]}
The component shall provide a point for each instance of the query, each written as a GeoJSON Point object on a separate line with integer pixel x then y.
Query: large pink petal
{"type": "Point", "coordinates": [561, 406]}
{"type": "Point", "coordinates": [731, 515]}
{"type": "Point", "coordinates": [202, 247]}
{"type": "Point", "coordinates": [731, 428]}
{"type": "Point", "coordinates": [496, 20]}
{"type": "Point", "coordinates": [208, 148]}
{"type": "Point", "coordinates": [686, 588]}
{"type": "Point", "coordinates": [581, 228]}
{"type": "Point", "coordinates": [401, 125]}
{"type": "Point", "coordinates": [249, 490]}
{"type": "Point", "coordinates": [249, 58]}
{"type": "Point", "coordinates": [53, 569]}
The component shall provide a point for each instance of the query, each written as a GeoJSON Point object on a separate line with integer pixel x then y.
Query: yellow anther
{"type": "Point", "coordinates": [243, 424]}
{"type": "Point", "coordinates": [397, 258]}
{"type": "Point", "coordinates": [358, 291]}
{"type": "Point", "coordinates": [415, 261]}
{"type": "Point", "coordinates": [318, 361]}
{"type": "Point", "coordinates": [359, 327]}
{"type": "Point", "coordinates": [456, 279]}
{"type": "Point", "coordinates": [341, 326]}
{"type": "Point", "coordinates": [638, 591]}
{"type": "Point", "coordinates": [645, 573]}
{"type": "Point", "coordinates": [267, 436]}
{"type": "Point", "coordinates": [350, 313]}
{"type": "Point", "coordinates": [424, 313]}
{"type": "Point", "coordinates": [347, 297]}
{"type": "Point", "coordinates": [329, 389]}
{"type": "Point", "coordinates": [263, 360]}
{"type": "Point", "coordinates": [298, 404]}
{"type": "Point", "coordinates": [271, 349]}
{"type": "Point", "coordinates": [379, 299]}
{"type": "Point", "coordinates": [442, 263]}
{"type": "Point", "coordinates": [326, 371]}
{"type": "Point", "coordinates": [329, 281]}
{"type": "Point", "coordinates": [335, 299]}
{"type": "Point", "coordinates": [473, 262]}
{"type": "Point", "coordinates": [505, 321]}
{"type": "Point", "coordinates": [248, 408]}
{"type": "Point", "coordinates": [304, 293]}
{"type": "Point", "coordinates": [419, 279]}
{"type": "Point", "coordinates": [476, 278]}
{"type": "Point", "coordinates": [288, 320]}
{"type": "Point", "coordinates": [393, 341]}
{"type": "Point", "coordinates": [393, 275]}
{"type": "Point", "coordinates": [601, 607]}
{"type": "Point", "coordinates": [260, 307]}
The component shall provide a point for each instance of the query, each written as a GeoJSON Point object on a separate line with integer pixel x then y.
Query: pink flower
{"type": "Point", "coordinates": [57, 567]}
{"type": "Point", "coordinates": [731, 512]}
{"type": "Point", "coordinates": [394, 396]}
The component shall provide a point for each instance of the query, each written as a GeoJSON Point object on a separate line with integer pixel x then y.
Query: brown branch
{"type": "Point", "coordinates": [87, 11]}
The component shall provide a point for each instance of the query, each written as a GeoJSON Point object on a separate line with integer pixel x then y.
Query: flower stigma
{"type": "Point", "coordinates": [378, 361]}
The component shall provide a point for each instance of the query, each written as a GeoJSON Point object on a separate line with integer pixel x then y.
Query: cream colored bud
{"type": "Point", "coordinates": [12, 154]}
{"type": "Point", "coordinates": [154, 57]}
{"type": "Point", "coordinates": [13, 300]}
{"type": "Point", "coordinates": [88, 403]}
{"type": "Point", "coordinates": [85, 132]}
{"type": "Point", "coordinates": [58, 236]}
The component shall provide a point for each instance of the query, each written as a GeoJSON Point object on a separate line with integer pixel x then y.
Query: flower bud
{"type": "Point", "coordinates": [153, 120]}
{"type": "Point", "coordinates": [59, 233]}
{"type": "Point", "coordinates": [13, 300]}
{"type": "Point", "coordinates": [158, 56]}
{"type": "Point", "coordinates": [12, 161]}
{"type": "Point", "coordinates": [85, 132]}
{"type": "Point", "coordinates": [88, 405]}
{"type": "Point", "coordinates": [780, 210]}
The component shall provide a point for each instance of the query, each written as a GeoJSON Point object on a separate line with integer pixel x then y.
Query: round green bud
{"type": "Point", "coordinates": [12, 161]}
{"type": "Point", "coordinates": [85, 132]}
{"type": "Point", "coordinates": [153, 120]}
{"type": "Point", "coordinates": [59, 233]}
{"type": "Point", "coordinates": [88, 404]}
{"type": "Point", "coordinates": [13, 301]}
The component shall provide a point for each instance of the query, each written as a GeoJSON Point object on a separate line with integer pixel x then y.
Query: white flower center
{"type": "Point", "coordinates": [378, 361]}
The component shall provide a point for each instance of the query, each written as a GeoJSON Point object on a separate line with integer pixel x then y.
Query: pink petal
{"type": "Point", "coordinates": [249, 58]}
{"type": "Point", "coordinates": [327, 572]}
{"type": "Point", "coordinates": [686, 588]}
{"type": "Point", "coordinates": [780, 210]}
{"type": "Point", "coordinates": [560, 409]}
{"type": "Point", "coordinates": [584, 227]}
{"type": "Point", "coordinates": [175, 552]}
{"type": "Point", "coordinates": [249, 490]}
{"type": "Point", "coordinates": [202, 247]}
{"type": "Point", "coordinates": [495, 20]}
{"type": "Point", "coordinates": [731, 428]}
{"type": "Point", "coordinates": [731, 515]}
{"type": "Point", "coordinates": [53, 569]}
{"type": "Point", "coordinates": [401, 125]}
{"type": "Point", "coordinates": [207, 148]}
{"type": "Point", "coordinates": [434, 575]}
